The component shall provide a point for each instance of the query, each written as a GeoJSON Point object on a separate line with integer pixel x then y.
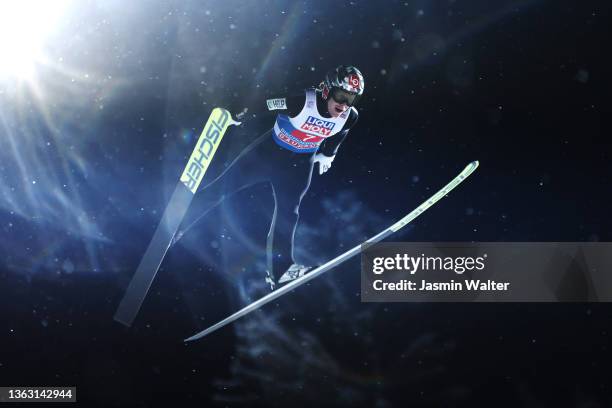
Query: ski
{"type": "Point", "coordinates": [469, 169]}
{"type": "Point", "coordinates": [208, 142]}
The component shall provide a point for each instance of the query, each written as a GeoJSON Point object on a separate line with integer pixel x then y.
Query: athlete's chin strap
{"type": "Point", "coordinates": [324, 161]}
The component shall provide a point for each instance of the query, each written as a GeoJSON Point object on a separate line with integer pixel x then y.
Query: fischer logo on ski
{"type": "Point", "coordinates": [205, 149]}
{"type": "Point", "coordinates": [188, 184]}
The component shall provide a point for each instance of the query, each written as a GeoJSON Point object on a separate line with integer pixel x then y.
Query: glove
{"type": "Point", "coordinates": [240, 115]}
{"type": "Point", "coordinates": [324, 161]}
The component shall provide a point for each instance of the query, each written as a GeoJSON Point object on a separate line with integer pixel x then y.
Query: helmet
{"type": "Point", "coordinates": [343, 78]}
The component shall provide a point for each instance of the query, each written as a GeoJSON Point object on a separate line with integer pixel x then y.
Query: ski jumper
{"type": "Point", "coordinates": [282, 157]}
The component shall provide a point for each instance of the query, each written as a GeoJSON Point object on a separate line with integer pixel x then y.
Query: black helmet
{"type": "Point", "coordinates": [346, 78]}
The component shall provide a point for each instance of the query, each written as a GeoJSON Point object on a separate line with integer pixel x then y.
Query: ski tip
{"type": "Point", "coordinates": [206, 332]}
{"type": "Point", "coordinates": [232, 120]}
{"type": "Point", "coordinates": [198, 336]}
{"type": "Point", "coordinates": [123, 317]}
{"type": "Point", "coordinates": [473, 165]}
{"type": "Point", "coordinates": [192, 338]}
{"type": "Point", "coordinates": [126, 323]}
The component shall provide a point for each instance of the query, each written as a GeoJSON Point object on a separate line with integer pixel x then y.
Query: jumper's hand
{"type": "Point", "coordinates": [324, 161]}
{"type": "Point", "coordinates": [240, 115]}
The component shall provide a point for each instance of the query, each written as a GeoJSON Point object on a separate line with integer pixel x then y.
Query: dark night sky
{"type": "Point", "coordinates": [92, 147]}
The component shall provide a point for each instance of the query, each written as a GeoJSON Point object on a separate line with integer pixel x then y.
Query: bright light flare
{"type": "Point", "coordinates": [24, 27]}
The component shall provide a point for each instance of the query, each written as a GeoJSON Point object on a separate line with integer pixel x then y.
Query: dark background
{"type": "Point", "coordinates": [93, 145]}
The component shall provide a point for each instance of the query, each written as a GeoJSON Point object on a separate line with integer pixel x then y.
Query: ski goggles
{"type": "Point", "coordinates": [343, 97]}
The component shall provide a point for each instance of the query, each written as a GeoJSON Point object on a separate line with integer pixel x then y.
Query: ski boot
{"type": "Point", "coordinates": [295, 271]}
{"type": "Point", "coordinates": [270, 280]}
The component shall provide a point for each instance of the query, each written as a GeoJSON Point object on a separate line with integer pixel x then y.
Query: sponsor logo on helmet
{"type": "Point", "coordinates": [354, 82]}
{"type": "Point", "coordinates": [318, 126]}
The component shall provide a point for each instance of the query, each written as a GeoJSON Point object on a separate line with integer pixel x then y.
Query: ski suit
{"type": "Point", "coordinates": [283, 157]}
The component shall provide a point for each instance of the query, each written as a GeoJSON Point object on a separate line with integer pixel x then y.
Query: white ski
{"type": "Point", "coordinates": [469, 169]}
{"type": "Point", "coordinates": [208, 142]}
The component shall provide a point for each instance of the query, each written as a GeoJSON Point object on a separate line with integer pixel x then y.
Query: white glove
{"type": "Point", "coordinates": [324, 161]}
{"type": "Point", "coordinates": [240, 115]}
